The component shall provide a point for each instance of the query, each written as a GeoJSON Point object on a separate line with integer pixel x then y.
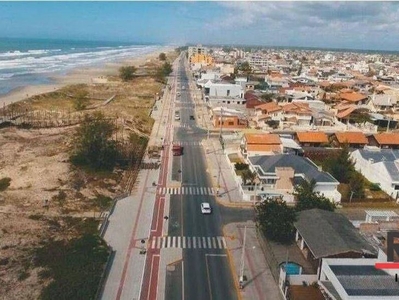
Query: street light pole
{"type": "Point", "coordinates": [221, 141]}
{"type": "Point", "coordinates": [241, 279]}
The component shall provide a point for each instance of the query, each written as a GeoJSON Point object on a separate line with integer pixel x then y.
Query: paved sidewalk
{"type": "Point", "coordinates": [260, 284]}
{"type": "Point", "coordinates": [130, 222]}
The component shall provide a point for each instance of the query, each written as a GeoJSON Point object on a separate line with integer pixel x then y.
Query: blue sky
{"type": "Point", "coordinates": [356, 25]}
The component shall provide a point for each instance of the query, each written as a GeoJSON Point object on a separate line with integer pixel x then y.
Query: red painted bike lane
{"type": "Point", "coordinates": [149, 287]}
{"type": "Point", "coordinates": [151, 271]}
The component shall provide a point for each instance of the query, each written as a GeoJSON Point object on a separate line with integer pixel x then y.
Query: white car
{"type": "Point", "coordinates": [206, 208]}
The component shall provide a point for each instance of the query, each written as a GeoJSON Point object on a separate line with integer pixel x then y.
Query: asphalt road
{"type": "Point", "coordinates": [207, 273]}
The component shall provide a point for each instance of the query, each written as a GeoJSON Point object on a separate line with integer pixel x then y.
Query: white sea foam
{"type": "Point", "coordinates": [37, 61]}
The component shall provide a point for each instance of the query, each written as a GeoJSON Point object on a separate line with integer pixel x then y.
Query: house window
{"type": "Point", "coordinates": [228, 102]}
{"type": "Point", "coordinates": [231, 123]}
{"type": "Point", "coordinates": [228, 93]}
{"type": "Point", "coordinates": [396, 187]}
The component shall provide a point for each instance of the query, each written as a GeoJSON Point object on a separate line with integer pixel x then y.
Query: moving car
{"type": "Point", "coordinates": [206, 208]}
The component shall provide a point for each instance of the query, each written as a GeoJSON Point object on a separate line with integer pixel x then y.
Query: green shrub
{"type": "Point", "coordinates": [4, 183]}
{"type": "Point", "coordinates": [241, 166]}
{"type": "Point", "coordinates": [75, 267]}
{"type": "Point", "coordinates": [375, 187]}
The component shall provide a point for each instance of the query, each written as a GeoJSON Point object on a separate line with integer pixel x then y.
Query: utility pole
{"type": "Point", "coordinates": [221, 141]}
{"type": "Point", "coordinates": [241, 279]}
{"type": "Point", "coordinates": [350, 199]}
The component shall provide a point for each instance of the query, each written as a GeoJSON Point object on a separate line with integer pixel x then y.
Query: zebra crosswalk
{"type": "Point", "coordinates": [180, 143]}
{"type": "Point", "coordinates": [188, 242]}
{"type": "Point", "coordinates": [184, 125]}
{"type": "Point", "coordinates": [186, 190]}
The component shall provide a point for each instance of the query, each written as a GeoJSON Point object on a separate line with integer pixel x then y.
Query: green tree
{"type": "Point", "coordinates": [163, 71]}
{"type": "Point", "coordinates": [162, 56]}
{"type": "Point", "coordinates": [276, 220]}
{"type": "Point", "coordinates": [127, 73]}
{"type": "Point", "coordinates": [245, 68]}
{"type": "Point", "coordinates": [307, 198]}
{"type": "Point", "coordinates": [268, 97]}
{"type": "Point", "coordinates": [93, 146]}
{"type": "Point", "coordinates": [340, 166]}
{"type": "Point", "coordinates": [248, 175]}
{"type": "Point", "coordinates": [356, 184]}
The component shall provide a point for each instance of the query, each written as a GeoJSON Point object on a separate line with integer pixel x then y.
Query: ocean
{"type": "Point", "coordinates": [34, 61]}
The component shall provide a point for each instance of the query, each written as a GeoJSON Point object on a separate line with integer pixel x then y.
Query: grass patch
{"type": "Point", "coordinates": [75, 266]}
{"type": "Point", "coordinates": [4, 183]}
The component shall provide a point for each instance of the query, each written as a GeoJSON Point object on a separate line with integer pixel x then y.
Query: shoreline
{"type": "Point", "coordinates": [79, 75]}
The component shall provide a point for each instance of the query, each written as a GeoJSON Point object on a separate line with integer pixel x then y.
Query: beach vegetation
{"type": "Point", "coordinates": [4, 183]}
{"type": "Point", "coordinates": [93, 144]}
{"type": "Point", "coordinates": [162, 56]}
{"type": "Point", "coordinates": [81, 99]}
{"type": "Point", "coordinates": [127, 73]}
{"type": "Point", "coordinates": [163, 72]}
{"type": "Point", "coordinates": [75, 265]}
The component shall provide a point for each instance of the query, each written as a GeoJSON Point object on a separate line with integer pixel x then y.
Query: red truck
{"type": "Point", "coordinates": [177, 150]}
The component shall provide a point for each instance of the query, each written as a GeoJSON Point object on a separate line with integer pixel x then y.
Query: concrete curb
{"type": "Point", "coordinates": [232, 267]}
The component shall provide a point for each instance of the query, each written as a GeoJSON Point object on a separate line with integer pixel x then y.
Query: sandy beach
{"type": "Point", "coordinates": [76, 76]}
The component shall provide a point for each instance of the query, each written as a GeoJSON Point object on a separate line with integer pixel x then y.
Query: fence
{"type": "Point", "coordinates": [269, 256]}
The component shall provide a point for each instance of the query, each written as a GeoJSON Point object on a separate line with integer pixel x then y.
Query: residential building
{"type": "Point", "coordinates": [385, 140]}
{"type": "Point", "coordinates": [356, 279]}
{"type": "Point", "coordinates": [228, 118]}
{"type": "Point", "coordinates": [297, 114]}
{"type": "Point", "coordinates": [353, 97]}
{"type": "Point", "coordinates": [199, 49]}
{"type": "Point", "coordinates": [325, 234]}
{"type": "Point", "coordinates": [203, 59]}
{"type": "Point", "coordinates": [280, 173]}
{"type": "Point", "coordinates": [276, 81]}
{"type": "Point", "coordinates": [354, 139]}
{"type": "Point", "coordinates": [260, 144]}
{"type": "Point", "coordinates": [223, 89]}
{"type": "Point", "coordinates": [379, 166]}
{"type": "Point", "coordinates": [382, 102]}
{"type": "Point", "coordinates": [311, 139]}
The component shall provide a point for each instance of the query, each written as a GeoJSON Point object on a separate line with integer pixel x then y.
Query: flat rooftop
{"type": "Point", "coordinates": [365, 280]}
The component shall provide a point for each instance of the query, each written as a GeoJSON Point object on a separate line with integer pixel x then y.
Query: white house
{"type": "Point", "coordinates": [223, 89]}
{"type": "Point", "coordinates": [356, 279]}
{"type": "Point", "coordinates": [276, 82]}
{"type": "Point", "coordinates": [280, 173]}
{"type": "Point", "coordinates": [380, 166]}
{"type": "Point", "coordinates": [210, 76]}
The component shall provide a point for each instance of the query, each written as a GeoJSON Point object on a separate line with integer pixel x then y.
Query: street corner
{"type": "Point", "coordinates": [233, 203]}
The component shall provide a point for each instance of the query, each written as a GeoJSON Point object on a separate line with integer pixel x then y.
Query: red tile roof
{"type": "Point", "coordinates": [387, 138]}
{"type": "Point", "coordinates": [352, 97]}
{"type": "Point", "coordinates": [312, 137]}
{"type": "Point", "coordinates": [269, 107]}
{"type": "Point", "coordinates": [264, 148]}
{"type": "Point", "coordinates": [345, 113]}
{"type": "Point", "coordinates": [262, 139]}
{"type": "Point", "coordinates": [351, 137]}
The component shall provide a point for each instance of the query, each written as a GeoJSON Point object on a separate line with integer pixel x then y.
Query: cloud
{"type": "Point", "coordinates": [328, 22]}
